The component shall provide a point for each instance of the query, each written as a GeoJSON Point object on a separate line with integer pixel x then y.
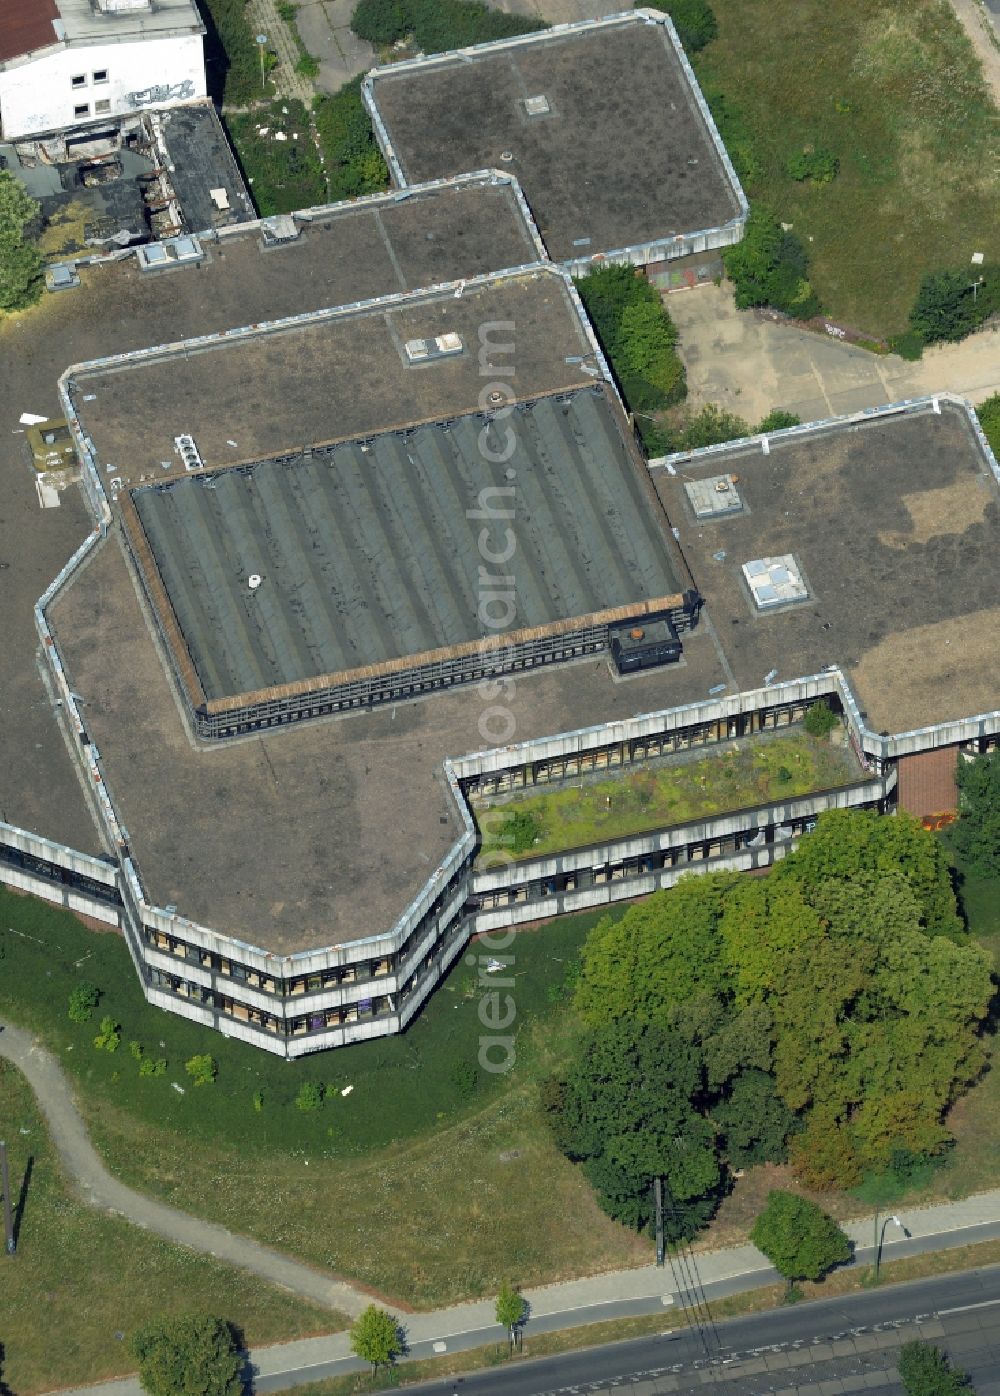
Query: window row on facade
{"type": "Point", "coordinates": [635, 750]}
{"type": "Point", "coordinates": [377, 1006]}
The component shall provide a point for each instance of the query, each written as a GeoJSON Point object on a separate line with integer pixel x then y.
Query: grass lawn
{"type": "Point", "coordinates": [92, 1279]}
{"type": "Point", "coordinates": [416, 1183]}
{"type": "Point", "coordinates": [893, 89]}
{"type": "Point", "coordinates": [574, 814]}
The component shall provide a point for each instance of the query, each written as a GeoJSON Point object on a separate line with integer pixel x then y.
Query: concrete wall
{"type": "Point", "coordinates": [39, 95]}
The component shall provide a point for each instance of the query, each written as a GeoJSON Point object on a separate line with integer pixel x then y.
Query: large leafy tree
{"type": "Point", "coordinates": [629, 1113]}
{"type": "Point", "coordinates": [664, 951]}
{"type": "Point", "coordinates": [925, 1370]}
{"type": "Point", "coordinates": [977, 833]}
{"type": "Point", "coordinates": [20, 262]}
{"type": "Point", "coordinates": [195, 1355]}
{"type": "Point", "coordinates": [798, 1238]}
{"type": "Point", "coordinates": [755, 1122]}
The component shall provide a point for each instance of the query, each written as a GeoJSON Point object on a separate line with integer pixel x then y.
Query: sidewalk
{"type": "Point", "coordinates": [576, 1302]}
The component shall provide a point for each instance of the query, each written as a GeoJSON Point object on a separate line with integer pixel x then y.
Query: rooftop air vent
{"type": "Point", "coordinates": [537, 106]}
{"type": "Point", "coordinates": [121, 7]}
{"type": "Point", "coordinates": [714, 497]}
{"type": "Point", "coordinates": [278, 229]}
{"type": "Point", "coordinates": [443, 346]}
{"type": "Point", "coordinates": [775, 581]}
{"type": "Point", "coordinates": [187, 450]}
{"type": "Point", "coordinates": [173, 252]}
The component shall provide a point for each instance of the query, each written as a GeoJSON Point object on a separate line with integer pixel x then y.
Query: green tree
{"type": "Point", "coordinates": [354, 163]}
{"type": "Point", "coordinates": [628, 1113]}
{"type": "Point", "coordinates": [770, 267]}
{"type": "Point", "coordinates": [754, 1121]}
{"type": "Point", "coordinates": [818, 166]}
{"type": "Point", "coordinates": [195, 1355]}
{"type": "Point", "coordinates": [694, 21]}
{"type": "Point", "coordinates": [21, 277]}
{"type": "Point", "coordinates": [376, 1337]}
{"type": "Point", "coordinates": [925, 1370]}
{"type": "Point", "coordinates": [798, 1238]}
{"type": "Point", "coordinates": [711, 426]}
{"type": "Point", "coordinates": [820, 720]}
{"type": "Point", "coordinates": [977, 833]}
{"type": "Point", "coordinates": [511, 1311]}
{"type": "Point", "coordinates": [203, 1069]}
{"type": "Point", "coordinates": [82, 1002]}
{"type": "Point", "coordinates": [848, 842]}
{"type": "Point", "coordinates": [950, 304]}
{"type": "Point", "coordinates": [109, 1037]}
{"type": "Point", "coordinates": [664, 951]}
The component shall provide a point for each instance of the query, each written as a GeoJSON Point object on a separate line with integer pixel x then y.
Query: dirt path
{"type": "Point", "coordinates": [97, 1186]}
{"type": "Point", "coordinates": [977, 26]}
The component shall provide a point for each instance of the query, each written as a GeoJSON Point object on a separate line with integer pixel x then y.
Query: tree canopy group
{"type": "Point", "coordinates": [829, 1013]}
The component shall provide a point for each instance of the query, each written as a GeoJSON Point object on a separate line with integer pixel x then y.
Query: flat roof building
{"type": "Point", "coordinates": [602, 122]}
{"type": "Point", "coordinates": [64, 63]}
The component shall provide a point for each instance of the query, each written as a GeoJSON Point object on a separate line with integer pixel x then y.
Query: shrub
{"type": "Point", "coordinates": [284, 175]}
{"type": "Point", "coordinates": [770, 267]}
{"type": "Point", "coordinates": [196, 1354]}
{"type": "Point", "coordinates": [519, 831]}
{"type": "Point", "coordinates": [820, 720]}
{"type": "Point", "coordinates": [309, 1096]}
{"type": "Point", "coordinates": [354, 163]}
{"type": "Point", "coordinates": [436, 25]}
{"type": "Point", "coordinates": [818, 166]}
{"type": "Point", "coordinates": [307, 66]}
{"type": "Point", "coordinates": [735, 131]}
{"type": "Point", "coordinates": [777, 420]}
{"type": "Point", "coordinates": [203, 1069]}
{"type": "Point", "coordinates": [908, 345]}
{"type": "Point", "coordinates": [149, 1067]}
{"type": "Point", "coordinates": [21, 278]}
{"type": "Point", "coordinates": [694, 21]}
{"type": "Point", "coordinates": [380, 21]}
{"type": "Point", "coordinates": [135, 1048]}
{"type": "Point", "coordinates": [109, 1037]}
{"type": "Point", "coordinates": [258, 1101]}
{"type": "Point", "coordinates": [465, 1077]}
{"type": "Point", "coordinates": [798, 1238]}
{"type": "Point", "coordinates": [637, 335]}
{"type": "Point", "coordinates": [82, 1002]}
{"type": "Point", "coordinates": [287, 11]}
{"type": "Point", "coordinates": [711, 426]}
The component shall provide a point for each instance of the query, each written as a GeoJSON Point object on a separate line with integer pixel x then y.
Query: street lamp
{"type": "Point", "coordinates": [261, 45]}
{"type": "Point", "coordinates": [880, 1237]}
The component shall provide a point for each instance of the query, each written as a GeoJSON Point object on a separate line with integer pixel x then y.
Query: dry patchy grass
{"type": "Point", "coordinates": [94, 1278]}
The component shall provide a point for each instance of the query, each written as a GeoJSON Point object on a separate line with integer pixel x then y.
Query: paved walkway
{"type": "Point", "coordinates": [565, 1305]}
{"type": "Point", "coordinates": [97, 1186]}
{"type": "Point", "coordinates": [264, 19]}
{"type": "Point", "coordinates": [748, 363]}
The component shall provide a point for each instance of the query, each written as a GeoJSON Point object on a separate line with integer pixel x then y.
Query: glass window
{"type": "Point", "coordinates": [101, 75]}
{"type": "Point", "coordinates": [103, 106]}
{"type": "Point", "coordinates": [81, 111]}
{"type": "Point", "coordinates": [78, 80]}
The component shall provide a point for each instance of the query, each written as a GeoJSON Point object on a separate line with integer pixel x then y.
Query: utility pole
{"type": "Point", "coordinates": [8, 1211]}
{"type": "Point", "coordinates": [658, 1203]}
{"type": "Point", "coordinates": [261, 44]}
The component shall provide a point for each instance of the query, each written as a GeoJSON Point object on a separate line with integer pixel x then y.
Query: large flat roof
{"type": "Point", "coordinates": [286, 838]}
{"type": "Point", "coordinates": [369, 551]}
{"type": "Point", "coordinates": [345, 253]}
{"type": "Point", "coordinates": [339, 375]}
{"type": "Point", "coordinates": [31, 26]}
{"type": "Point", "coordinates": [894, 522]}
{"type": "Point", "coordinates": [624, 155]}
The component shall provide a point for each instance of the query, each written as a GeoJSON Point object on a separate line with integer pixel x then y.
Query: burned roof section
{"type": "Point", "coordinates": [601, 122]}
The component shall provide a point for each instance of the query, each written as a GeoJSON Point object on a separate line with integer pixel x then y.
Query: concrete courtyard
{"type": "Point", "coordinates": [748, 363]}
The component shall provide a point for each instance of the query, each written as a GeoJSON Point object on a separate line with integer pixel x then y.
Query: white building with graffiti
{"type": "Point", "coordinates": [67, 63]}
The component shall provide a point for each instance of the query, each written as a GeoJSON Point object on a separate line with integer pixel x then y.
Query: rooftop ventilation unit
{"type": "Point", "coordinates": [443, 346]}
{"type": "Point", "coordinates": [188, 452]}
{"type": "Point", "coordinates": [775, 581]}
{"type": "Point", "coordinates": [173, 252]}
{"type": "Point", "coordinates": [714, 497]}
{"type": "Point", "coordinates": [281, 228]}
{"type": "Point", "coordinates": [121, 7]}
{"type": "Point", "coordinates": [537, 106]}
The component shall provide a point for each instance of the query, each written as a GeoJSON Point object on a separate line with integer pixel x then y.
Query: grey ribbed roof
{"type": "Point", "coordinates": [367, 552]}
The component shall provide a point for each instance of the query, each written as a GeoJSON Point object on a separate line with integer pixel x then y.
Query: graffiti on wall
{"type": "Point", "coordinates": [162, 92]}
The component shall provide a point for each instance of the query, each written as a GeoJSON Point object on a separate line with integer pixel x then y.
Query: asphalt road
{"type": "Point", "coordinates": [675, 1296]}
{"type": "Point", "coordinates": [827, 1341]}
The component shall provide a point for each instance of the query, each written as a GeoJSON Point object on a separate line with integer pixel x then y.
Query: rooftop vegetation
{"type": "Point", "coordinates": [753, 772]}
